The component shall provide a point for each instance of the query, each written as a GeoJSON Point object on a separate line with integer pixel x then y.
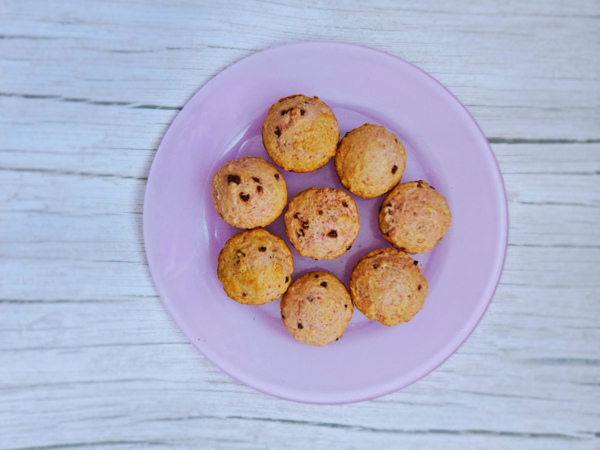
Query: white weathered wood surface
{"type": "Point", "coordinates": [88, 355]}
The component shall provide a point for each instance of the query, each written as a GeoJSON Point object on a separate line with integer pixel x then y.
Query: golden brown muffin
{"type": "Point", "coordinates": [388, 286]}
{"type": "Point", "coordinates": [249, 192]}
{"type": "Point", "coordinates": [370, 161]}
{"type": "Point", "coordinates": [255, 267]}
{"type": "Point", "coordinates": [322, 223]}
{"type": "Point", "coordinates": [414, 217]}
{"type": "Point", "coordinates": [316, 308]}
{"type": "Point", "coordinates": [300, 133]}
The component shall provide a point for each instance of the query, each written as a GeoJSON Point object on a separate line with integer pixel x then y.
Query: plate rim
{"type": "Point", "coordinates": [390, 386]}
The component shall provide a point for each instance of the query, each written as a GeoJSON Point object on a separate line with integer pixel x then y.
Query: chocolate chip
{"type": "Point", "coordinates": [282, 316]}
{"type": "Point", "coordinates": [277, 132]}
{"type": "Point", "coordinates": [394, 169]}
{"type": "Point", "coordinates": [345, 306]}
{"type": "Point", "coordinates": [245, 197]}
{"type": "Point", "coordinates": [310, 299]}
{"type": "Point", "coordinates": [277, 176]}
{"type": "Point", "coordinates": [234, 179]}
{"type": "Point", "coordinates": [375, 266]}
{"type": "Point", "coordinates": [332, 234]}
{"type": "Point", "coordinates": [344, 204]}
{"type": "Point", "coordinates": [262, 249]}
{"type": "Point", "coordinates": [324, 284]}
{"type": "Point", "coordinates": [284, 112]}
{"type": "Point", "coordinates": [302, 112]}
{"type": "Point", "coordinates": [317, 276]}
{"type": "Point", "coordinates": [396, 139]}
{"type": "Point", "coordinates": [287, 279]}
{"type": "Point", "coordinates": [416, 263]}
{"type": "Point", "coordinates": [419, 184]}
{"type": "Point", "coordinates": [256, 180]}
{"type": "Point", "coordinates": [296, 215]}
{"type": "Point", "coordinates": [419, 287]}
{"type": "Point", "coordinates": [305, 225]}
{"type": "Point", "coordinates": [389, 205]}
{"type": "Point", "coordinates": [320, 213]}
{"type": "Point", "coordinates": [348, 248]}
{"type": "Point", "coordinates": [299, 325]}
{"type": "Point", "coordinates": [244, 294]}
{"type": "Point", "coordinates": [258, 188]}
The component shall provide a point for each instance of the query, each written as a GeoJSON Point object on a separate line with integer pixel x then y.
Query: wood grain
{"type": "Point", "coordinates": [88, 355]}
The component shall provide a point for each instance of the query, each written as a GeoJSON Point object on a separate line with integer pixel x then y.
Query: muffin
{"type": "Point", "coordinates": [300, 133]}
{"type": "Point", "coordinates": [316, 308]}
{"type": "Point", "coordinates": [414, 217]}
{"type": "Point", "coordinates": [370, 161]}
{"type": "Point", "coordinates": [255, 267]}
{"type": "Point", "coordinates": [249, 192]}
{"type": "Point", "coordinates": [388, 286]}
{"type": "Point", "coordinates": [322, 223]}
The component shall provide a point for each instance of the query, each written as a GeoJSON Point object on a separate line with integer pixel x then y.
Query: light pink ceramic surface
{"type": "Point", "coordinates": [183, 234]}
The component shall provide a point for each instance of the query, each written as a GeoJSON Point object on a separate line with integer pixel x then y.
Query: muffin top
{"type": "Point", "coordinates": [300, 133]}
{"type": "Point", "coordinates": [414, 217]}
{"type": "Point", "coordinates": [255, 267]}
{"type": "Point", "coordinates": [316, 308]}
{"type": "Point", "coordinates": [322, 223]}
{"type": "Point", "coordinates": [249, 192]}
{"type": "Point", "coordinates": [388, 286]}
{"type": "Point", "coordinates": [370, 161]}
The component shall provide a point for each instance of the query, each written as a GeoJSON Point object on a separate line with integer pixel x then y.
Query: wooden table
{"type": "Point", "coordinates": [88, 356]}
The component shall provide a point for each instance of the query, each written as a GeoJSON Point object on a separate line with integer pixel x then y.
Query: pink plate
{"type": "Point", "coordinates": [183, 234]}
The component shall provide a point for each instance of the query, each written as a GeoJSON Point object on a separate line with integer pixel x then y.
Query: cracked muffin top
{"type": "Point", "coordinates": [322, 223]}
{"type": "Point", "coordinates": [300, 133]}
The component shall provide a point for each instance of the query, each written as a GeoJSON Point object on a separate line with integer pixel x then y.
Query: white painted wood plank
{"type": "Point", "coordinates": [96, 308]}
{"type": "Point", "coordinates": [88, 356]}
{"type": "Point", "coordinates": [155, 388]}
{"type": "Point", "coordinates": [522, 74]}
{"type": "Point", "coordinates": [70, 339]}
{"type": "Point", "coordinates": [73, 137]}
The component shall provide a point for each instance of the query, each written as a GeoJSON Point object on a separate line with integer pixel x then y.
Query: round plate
{"type": "Point", "coordinates": [183, 233]}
